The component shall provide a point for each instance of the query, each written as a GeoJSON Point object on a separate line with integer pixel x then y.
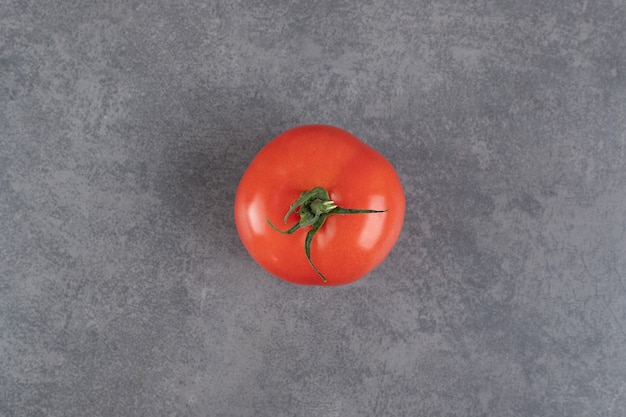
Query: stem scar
{"type": "Point", "coordinates": [314, 207]}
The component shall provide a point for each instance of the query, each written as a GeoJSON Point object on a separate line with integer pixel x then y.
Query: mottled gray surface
{"type": "Point", "coordinates": [125, 127]}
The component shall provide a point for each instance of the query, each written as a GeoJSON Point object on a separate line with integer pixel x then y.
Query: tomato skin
{"type": "Point", "coordinates": [348, 246]}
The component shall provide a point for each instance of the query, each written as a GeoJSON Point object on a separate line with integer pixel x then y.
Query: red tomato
{"type": "Point", "coordinates": [346, 246]}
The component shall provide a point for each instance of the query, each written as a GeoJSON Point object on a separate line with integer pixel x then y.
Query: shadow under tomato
{"type": "Point", "coordinates": [209, 145]}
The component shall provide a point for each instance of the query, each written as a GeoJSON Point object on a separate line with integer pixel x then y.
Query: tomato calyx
{"type": "Point", "coordinates": [314, 207]}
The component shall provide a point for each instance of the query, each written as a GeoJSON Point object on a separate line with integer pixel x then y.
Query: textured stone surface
{"type": "Point", "coordinates": [125, 127]}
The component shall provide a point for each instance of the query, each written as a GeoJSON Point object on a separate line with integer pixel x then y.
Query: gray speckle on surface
{"type": "Point", "coordinates": [125, 127]}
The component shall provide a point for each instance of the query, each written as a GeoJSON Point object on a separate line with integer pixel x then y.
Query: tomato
{"type": "Point", "coordinates": [340, 200]}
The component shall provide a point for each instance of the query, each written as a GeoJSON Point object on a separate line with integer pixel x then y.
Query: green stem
{"type": "Point", "coordinates": [314, 207]}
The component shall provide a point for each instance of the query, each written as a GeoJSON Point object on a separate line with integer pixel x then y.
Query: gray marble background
{"type": "Point", "coordinates": [126, 125]}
